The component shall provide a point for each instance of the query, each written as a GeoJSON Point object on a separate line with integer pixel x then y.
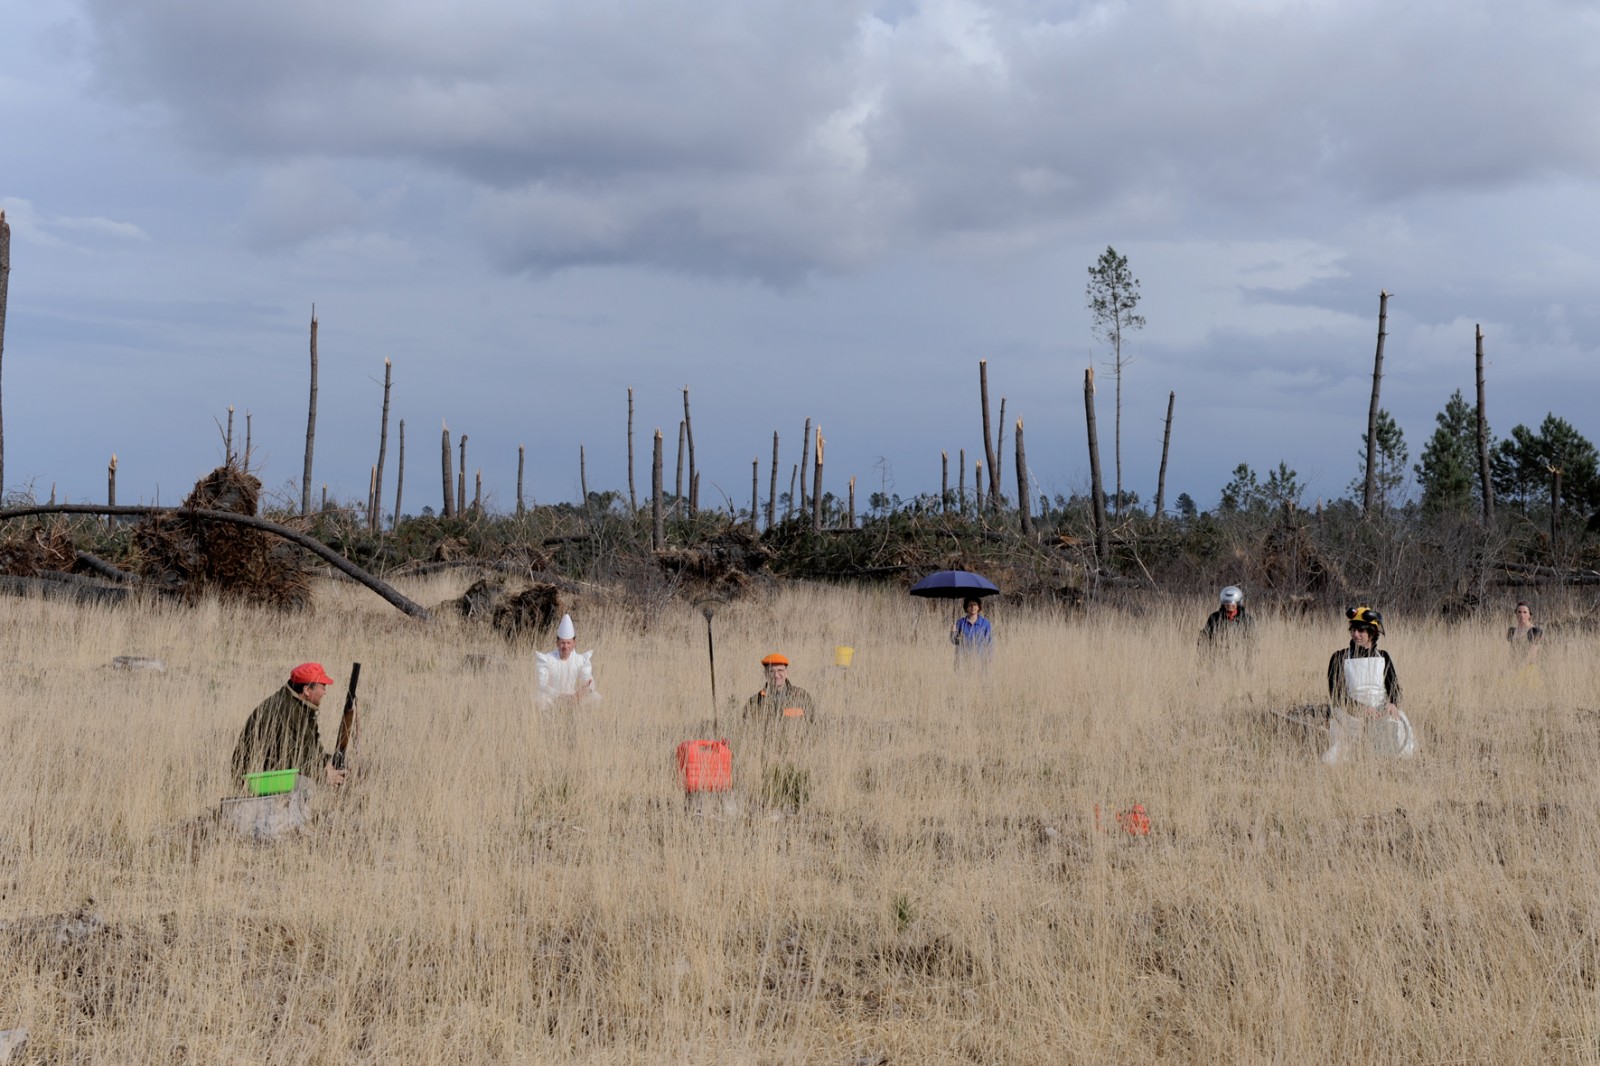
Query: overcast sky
{"type": "Point", "coordinates": [826, 209]}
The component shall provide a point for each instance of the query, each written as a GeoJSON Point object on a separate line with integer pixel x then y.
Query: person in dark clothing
{"type": "Point", "coordinates": [1523, 636]}
{"type": "Point", "coordinates": [281, 733]}
{"type": "Point", "coordinates": [1229, 622]}
{"type": "Point", "coordinates": [1363, 687]}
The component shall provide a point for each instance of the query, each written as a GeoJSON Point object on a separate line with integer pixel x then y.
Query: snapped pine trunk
{"type": "Point", "coordinates": [1161, 478]}
{"type": "Point", "coordinates": [1024, 497]}
{"type": "Point", "coordinates": [805, 464]}
{"type": "Point", "coordinates": [461, 480]}
{"type": "Point", "coordinates": [658, 513]}
{"type": "Point", "coordinates": [996, 482]}
{"type": "Point", "coordinates": [1370, 489]}
{"type": "Point", "coordinates": [5, 284]}
{"type": "Point", "coordinates": [677, 494]}
{"type": "Point", "coordinates": [1485, 484]}
{"type": "Point", "coordinates": [522, 461]}
{"type": "Point", "coordinates": [111, 489]}
{"type": "Point", "coordinates": [449, 476]}
{"type": "Point", "coordinates": [227, 440]}
{"type": "Point", "coordinates": [311, 421]}
{"type": "Point", "coordinates": [988, 441]}
{"type": "Point", "coordinates": [688, 436]}
{"type": "Point", "coordinates": [1102, 544]}
{"type": "Point", "coordinates": [400, 475]}
{"type": "Point", "coordinates": [944, 482]}
{"type": "Point", "coordinates": [755, 493]}
{"type": "Point", "coordinates": [772, 492]}
{"type": "Point", "coordinates": [816, 492]}
{"type": "Point", "coordinates": [383, 448]}
{"type": "Point", "coordinates": [633, 500]}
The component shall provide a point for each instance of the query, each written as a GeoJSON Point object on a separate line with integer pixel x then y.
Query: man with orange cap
{"type": "Point", "coordinates": [781, 714]}
{"type": "Point", "coordinates": [779, 700]}
{"type": "Point", "coordinates": [281, 733]}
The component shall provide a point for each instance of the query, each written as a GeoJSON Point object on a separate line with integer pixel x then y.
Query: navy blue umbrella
{"type": "Point", "coordinates": [954, 585]}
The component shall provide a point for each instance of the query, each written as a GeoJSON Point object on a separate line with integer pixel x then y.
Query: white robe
{"type": "Point", "coordinates": [565, 677]}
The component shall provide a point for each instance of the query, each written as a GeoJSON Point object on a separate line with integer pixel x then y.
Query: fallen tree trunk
{"type": "Point", "coordinates": [100, 568]}
{"type": "Point", "coordinates": [315, 547]}
{"type": "Point", "coordinates": [76, 589]}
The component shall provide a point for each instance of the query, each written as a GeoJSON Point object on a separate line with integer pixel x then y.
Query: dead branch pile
{"type": "Point", "coordinates": [533, 609]}
{"type": "Point", "coordinates": [1292, 564]}
{"type": "Point", "coordinates": [190, 557]}
{"type": "Point", "coordinates": [724, 565]}
{"type": "Point", "coordinates": [536, 608]}
{"type": "Point", "coordinates": [30, 551]}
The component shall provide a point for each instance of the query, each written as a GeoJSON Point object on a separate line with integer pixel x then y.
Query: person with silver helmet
{"type": "Point", "coordinates": [1364, 694]}
{"type": "Point", "coordinates": [1229, 621]}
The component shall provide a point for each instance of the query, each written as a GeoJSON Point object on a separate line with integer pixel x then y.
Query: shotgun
{"type": "Point", "coordinates": [347, 723]}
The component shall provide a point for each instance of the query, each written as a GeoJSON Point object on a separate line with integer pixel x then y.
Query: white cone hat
{"type": "Point", "coordinates": [565, 631]}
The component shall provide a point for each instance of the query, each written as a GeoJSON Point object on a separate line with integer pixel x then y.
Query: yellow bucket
{"type": "Point", "coordinates": [842, 655]}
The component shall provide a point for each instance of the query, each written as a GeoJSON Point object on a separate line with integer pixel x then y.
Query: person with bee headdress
{"type": "Point", "coordinates": [1363, 690]}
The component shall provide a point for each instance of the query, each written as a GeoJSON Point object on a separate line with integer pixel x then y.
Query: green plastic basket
{"type": "Point", "coordinates": [270, 782]}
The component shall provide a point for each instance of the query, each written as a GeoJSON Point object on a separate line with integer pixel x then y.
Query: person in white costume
{"type": "Point", "coordinates": [1364, 694]}
{"type": "Point", "coordinates": [565, 675]}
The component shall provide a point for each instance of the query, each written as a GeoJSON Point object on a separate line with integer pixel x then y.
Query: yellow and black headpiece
{"type": "Point", "coordinates": [1366, 616]}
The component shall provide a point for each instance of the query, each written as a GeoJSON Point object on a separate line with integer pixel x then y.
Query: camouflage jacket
{"type": "Point", "coordinates": [279, 734]}
{"type": "Point", "coordinates": [791, 702]}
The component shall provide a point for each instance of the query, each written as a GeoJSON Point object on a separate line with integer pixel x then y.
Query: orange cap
{"type": "Point", "coordinates": [775, 660]}
{"type": "Point", "coordinates": [309, 674]}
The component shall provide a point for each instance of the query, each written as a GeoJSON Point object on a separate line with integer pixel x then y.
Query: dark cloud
{"type": "Point", "coordinates": [773, 139]}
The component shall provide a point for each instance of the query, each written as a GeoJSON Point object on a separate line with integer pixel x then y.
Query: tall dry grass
{"type": "Point", "coordinates": [499, 886]}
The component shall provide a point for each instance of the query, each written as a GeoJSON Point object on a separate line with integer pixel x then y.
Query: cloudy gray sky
{"type": "Point", "coordinates": [827, 209]}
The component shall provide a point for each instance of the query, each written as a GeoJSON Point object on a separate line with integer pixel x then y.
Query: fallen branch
{"type": "Point", "coordinates": [315, 547]}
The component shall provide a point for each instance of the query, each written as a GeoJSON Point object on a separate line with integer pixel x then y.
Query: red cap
{"type": "Point", "coordinates": [775, 660]}
{"type": "Point", "coordinates": [309, 674]}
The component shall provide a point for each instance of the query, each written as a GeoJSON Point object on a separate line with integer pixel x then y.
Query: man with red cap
{"type": "Point", "coordinates": [281, 733]}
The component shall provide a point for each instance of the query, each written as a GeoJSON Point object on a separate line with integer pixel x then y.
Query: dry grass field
{"type": "Point", "coordinates": [498, 886]}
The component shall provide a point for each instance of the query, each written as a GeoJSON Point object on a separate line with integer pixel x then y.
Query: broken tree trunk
{"type": "Point", "coordinates": [1485, 484]}
{"type": "Point", "coordinates": [400, 474]}
{"type": "Point", "coordinates": [772, 491]}
{"type": "Point", "coordinates": [816, 492]}
{"type": "Point", "coordinates": [988, 442]}
{"type": "Point", "coordinates": [383, 449]}
{"type": "Point", "coordinates": [1097, 492]}
{"type": "Point", "coordinates": [633, 499]}
{"type": "Point", "coordinates": [1161, 478]}
{"type": "Point", "coordinates": [805, 464]}
{"type": "Point", "coordinates": [658, 515]}
{"type": "Point", "coordinates": [688, 436]}
{"type": "Point", "coordinates": [1370, 489]}
{"type": "Point", "coordinates": [311, 421]}
{"type": "Point", "coordinates": [449, 476]}
{"type": "Point", "coordinates": [1024, 496]}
